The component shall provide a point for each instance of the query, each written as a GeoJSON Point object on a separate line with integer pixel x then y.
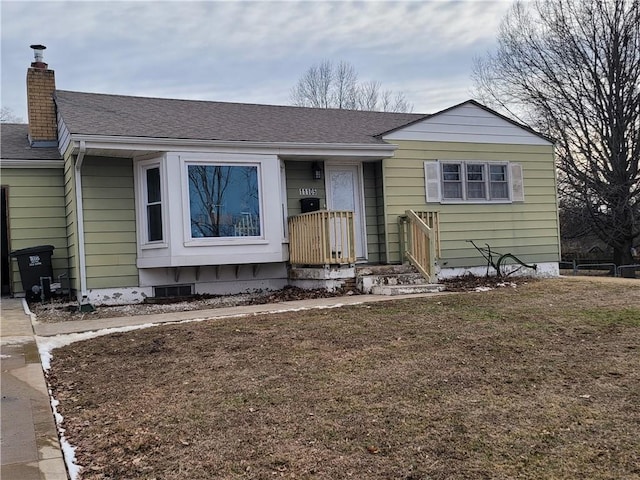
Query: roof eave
{"type": "Point", "coordinates": [152, 144]}
{"type": "Point", "coordinates": [31, 163]}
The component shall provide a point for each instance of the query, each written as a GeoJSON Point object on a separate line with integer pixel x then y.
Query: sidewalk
{"type": "Point", "coordinates": [79, 326]}
{"type": "Point", "coordinates": [29, 448]}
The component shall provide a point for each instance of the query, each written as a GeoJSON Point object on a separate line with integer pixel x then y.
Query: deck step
{"type": "Point", "coordinates": [406, 289]}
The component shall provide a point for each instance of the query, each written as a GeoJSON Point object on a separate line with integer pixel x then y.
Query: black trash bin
{"type": "Point", "coordinates": [36, 272]}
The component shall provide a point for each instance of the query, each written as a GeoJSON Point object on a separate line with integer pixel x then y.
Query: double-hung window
{"type": "Point", "coordinates": [224, 200]}
{"type": "Point", "coordinates": [476, 181]}
{"type": "Point", "coordinates": [153, 204]}
{"type": "Point", "coordinates": [452, 183]}
{"type": "Point", "coordinates": [498, 181]}
{"type": "Point", "coordinates": [473, 181]}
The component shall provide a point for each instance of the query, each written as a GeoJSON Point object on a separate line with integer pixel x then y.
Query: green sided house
{"type": "Point", "coordinates": [147, 197]}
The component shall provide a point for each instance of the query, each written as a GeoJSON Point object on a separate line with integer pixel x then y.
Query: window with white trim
{"type": "Point", "coordinates": [224, 200]}
{"type": "Point", "coordinates": [473, 182]}
{"type": "Point", "coordinates": [153, 203]}
{"type": "Point", "coordinates": [498, 181]}
{"type": "Point", "coordinates": [452, 183]}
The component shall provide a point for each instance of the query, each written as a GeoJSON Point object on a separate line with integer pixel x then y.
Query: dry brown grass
{"type": "Point", "coordinates": [537, 382]}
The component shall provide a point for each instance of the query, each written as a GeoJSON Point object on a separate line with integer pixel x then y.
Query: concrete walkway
{"type": "Point", "coordinates": [79, 326]}
{"type": "Point", "coordinates": [29, 448]}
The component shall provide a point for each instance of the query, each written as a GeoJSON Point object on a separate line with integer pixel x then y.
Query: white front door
{"type": "Point", "coordinates": [344, 192]}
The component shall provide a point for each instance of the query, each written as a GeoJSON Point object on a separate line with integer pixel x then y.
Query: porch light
{"type": "Point", "coordinates": [316, 169]}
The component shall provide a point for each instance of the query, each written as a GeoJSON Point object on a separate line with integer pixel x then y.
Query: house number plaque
{"type": "Point", "coordinates": [309, 192]}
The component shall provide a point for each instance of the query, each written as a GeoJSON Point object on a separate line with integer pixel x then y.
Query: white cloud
{"type": "Point", "coordinates": [246, 50]}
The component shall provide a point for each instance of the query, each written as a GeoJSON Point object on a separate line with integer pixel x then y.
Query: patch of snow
{"type": "Point", "coordinates": [16, 340]}
{"type": "Point", "coordinates": [68, 451]}
{"type": "Point", "coordinates": [25, 307]}
{"type": "Point", "coordinates": [483, 289]}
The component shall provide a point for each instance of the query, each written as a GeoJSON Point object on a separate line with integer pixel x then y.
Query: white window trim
{"type": "Point", "coordinates": [143, 233]}
{"type": "Point", "coordinates": [435, 189]}
{"type": "Point", "coordinates": [283, 204]}
{"type": "Point", "coordinates": [226, 160]}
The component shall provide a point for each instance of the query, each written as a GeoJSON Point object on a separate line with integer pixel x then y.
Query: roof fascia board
{"type": "Point", "coordinates": [145, 144]}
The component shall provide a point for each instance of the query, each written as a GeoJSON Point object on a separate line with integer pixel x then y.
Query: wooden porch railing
{"type": "Point", "coordinates": [420, 240]}
{"type": "Point", "coordinates": [324, 237]}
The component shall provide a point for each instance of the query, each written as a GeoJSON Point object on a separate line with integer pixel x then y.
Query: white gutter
{"type": "Point", "coordinates": [150, 143]}
{"type": "Point", "coordinates": [82, 265]}
{"type": "Point", "coordinates": [122, 139]}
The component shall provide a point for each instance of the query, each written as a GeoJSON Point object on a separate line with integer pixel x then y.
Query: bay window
{"type": "Point", "coordinates": [208, 208]}
{"type": "Point", "coordinates": [224, 200]}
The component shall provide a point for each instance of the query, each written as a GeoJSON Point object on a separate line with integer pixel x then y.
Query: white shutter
{"type": "Point", "coordinates": [432, 180]}
{"type": "Point", "coordinates": [517, 184]}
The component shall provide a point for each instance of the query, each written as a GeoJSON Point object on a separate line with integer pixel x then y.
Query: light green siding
{"type": "Point", "coordinates": [372, 206]}
{"type": "Point", "coordinates": [36, 215]}
{"type": "Point", "coordinates": [299, 176]}
{"type": "Point", "coordinates": [109, 222]}
{"type": "Point", "coordinates": [528, 229]}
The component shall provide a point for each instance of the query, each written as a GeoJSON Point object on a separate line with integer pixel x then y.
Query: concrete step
{"type": "Point", "coordinates": [369, 277]}
{"type": "Point", "coordinates": [398, 279]}
{"type": "Point", "coordinates": [406, 289]}
{"type": "Point", "coordinates": [365, 270]}
{"type": "Point", "coordinates": [366, 283]}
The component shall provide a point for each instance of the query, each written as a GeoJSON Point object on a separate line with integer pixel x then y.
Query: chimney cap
{"type": "Point", "coordinates": [38, 57]}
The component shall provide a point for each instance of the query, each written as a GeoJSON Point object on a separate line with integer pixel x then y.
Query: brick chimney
{"type": "Point", "coordinates": [41, 84]}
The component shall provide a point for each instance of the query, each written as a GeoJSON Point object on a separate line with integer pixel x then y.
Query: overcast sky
{"type": "Point", "coordinates": [243, 51]}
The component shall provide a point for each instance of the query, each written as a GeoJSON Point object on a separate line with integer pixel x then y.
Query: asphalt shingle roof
{"type": "Point", "coordinates": [117, 115]}
{"type": "Point", "coordinates": [14, 144]}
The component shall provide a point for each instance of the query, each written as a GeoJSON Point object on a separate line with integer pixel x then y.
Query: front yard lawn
{"type": "Point", "coordinates": [536, 382]}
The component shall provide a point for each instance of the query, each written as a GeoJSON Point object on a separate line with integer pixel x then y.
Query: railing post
{"type": "Point", "coordinates": [402, 232]}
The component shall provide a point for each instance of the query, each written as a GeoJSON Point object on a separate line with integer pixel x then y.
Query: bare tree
{"type": "Point", "coordinates": [7, 116]}
{"type": "Point", "coordinates": [368, 96]}
{"type": "Point", "coordinates": [345, 95]}
{"type": "Point", "coordinates": [394, 103]}
{"type": "Point", "coordinates": [329, 85]}
{"type": "Point", "coordinates": [571, 68]}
